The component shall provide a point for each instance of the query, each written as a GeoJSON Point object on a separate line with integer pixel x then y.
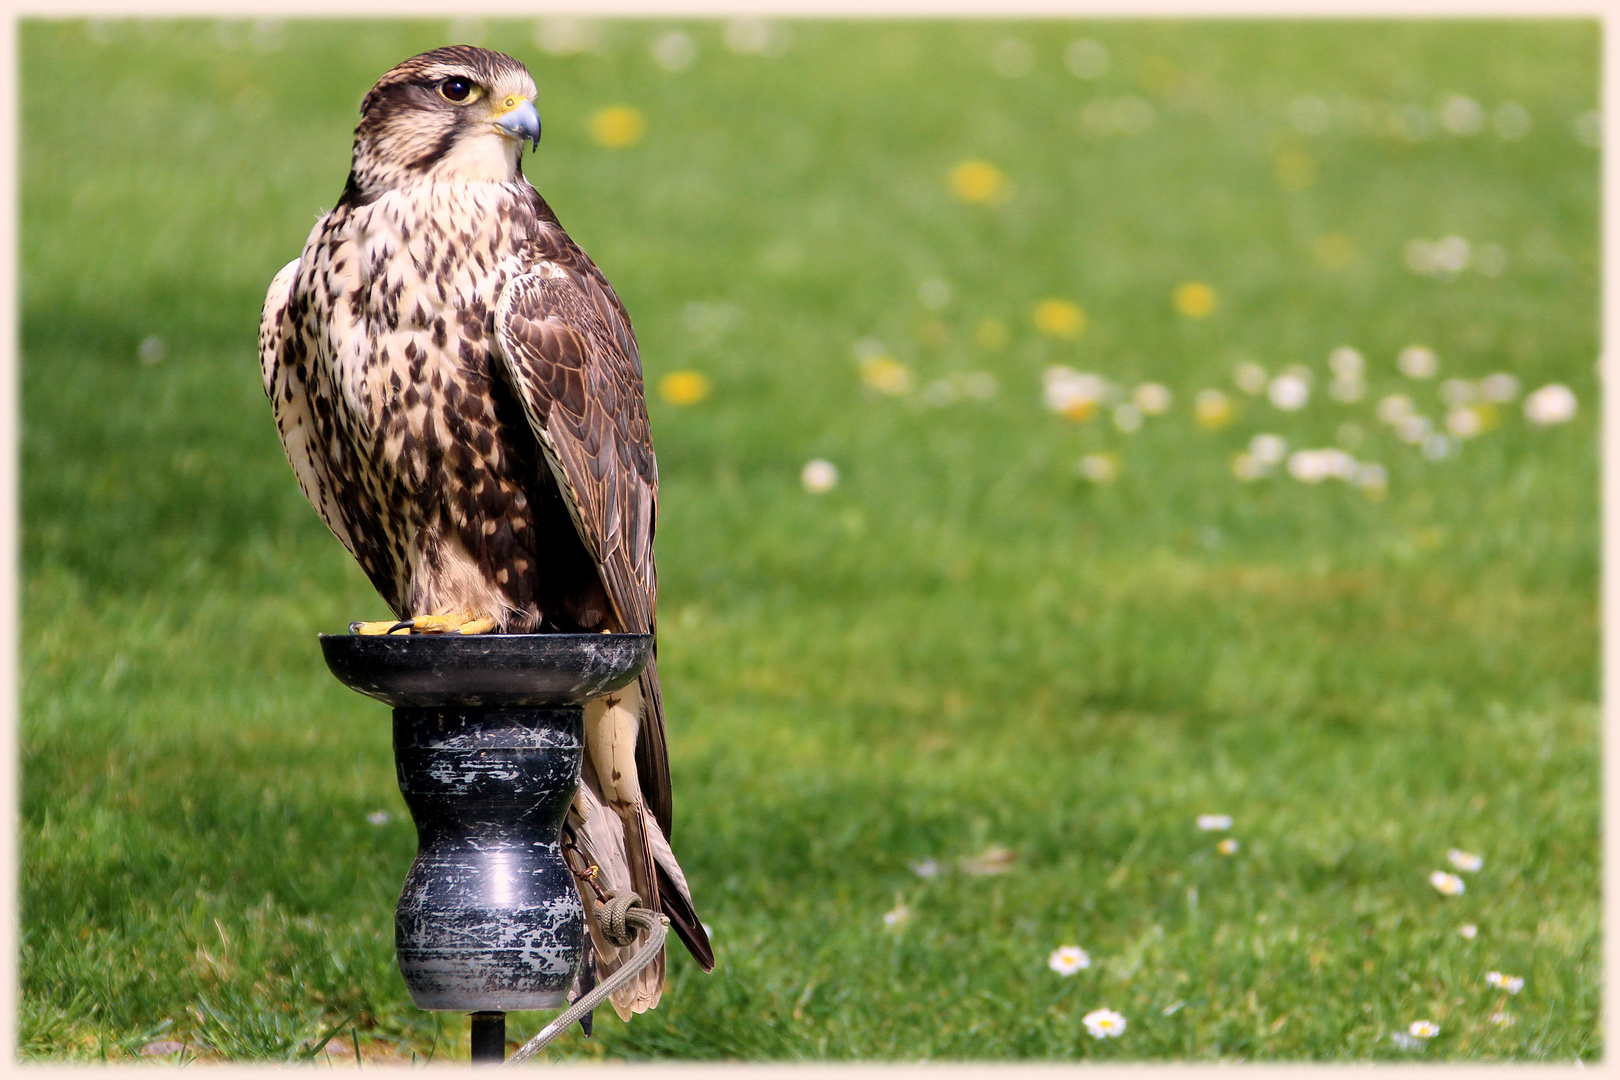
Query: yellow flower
{"type": "Point", "coordinates": [1212, 409]}
{"type": "Point", "coordinates": [617, 126]}
{"type": "Point", "coordinates": [1194, 299]}
{"type": "Point", "coordinates": [978, 181]}
{"type": "Point", "coordinates": [684, 387]}
{"type": "Point", "coordinates": [886, 375]}
{"type": "Point", "coordinates": [1059, 318]}
{"type": "Point", "coordinates": [1228, 846]}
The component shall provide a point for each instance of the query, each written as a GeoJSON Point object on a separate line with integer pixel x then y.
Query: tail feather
{"type": "Point", "coordinates": [599, 835]}
{"type": "Point", "coordinates": [614, 827]}
{"type": "Point", "coordinates": [675, 898]}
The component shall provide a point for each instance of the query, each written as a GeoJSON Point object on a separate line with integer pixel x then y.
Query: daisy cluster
{"type": "Point", "coordinates": [1068, 960]}
{"type": "Point", "coordinates": [1463, 409]}
{"type": "Point", "coordinates": [1449, 884]}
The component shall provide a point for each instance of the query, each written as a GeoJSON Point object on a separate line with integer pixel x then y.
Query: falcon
{"type": "Point", "coordinates": [459, 392]}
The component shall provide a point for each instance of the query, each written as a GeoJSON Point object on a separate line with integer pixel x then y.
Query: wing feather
{"type": "Point", "coordinates": [579, 379]}
{"type": "Point", "coordinates": [568, 350]}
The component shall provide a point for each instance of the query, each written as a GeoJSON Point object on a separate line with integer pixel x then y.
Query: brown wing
{"type": "Point", "coordinates": [305, 419]}
{"type": "Point", "coordinates": [570, 353]}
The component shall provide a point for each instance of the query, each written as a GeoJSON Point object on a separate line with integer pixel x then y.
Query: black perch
{"type": "Point", "coordinates": [488, 741]}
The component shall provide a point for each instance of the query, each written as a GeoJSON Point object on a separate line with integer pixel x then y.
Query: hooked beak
{"type": "Point", "coordinates": [522, 123]}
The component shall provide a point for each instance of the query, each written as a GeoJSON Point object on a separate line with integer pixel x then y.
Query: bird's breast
{"type": "Point", "coordinates": [421, 269]}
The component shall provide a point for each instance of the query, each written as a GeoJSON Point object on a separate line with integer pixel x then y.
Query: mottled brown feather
{"type": "Point", "coordinates": [459, 392]}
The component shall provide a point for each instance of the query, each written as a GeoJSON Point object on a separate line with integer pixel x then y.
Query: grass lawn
{"type": "Point", "coordinates": [972, 642]}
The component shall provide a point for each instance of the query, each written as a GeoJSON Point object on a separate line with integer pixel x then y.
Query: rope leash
{"type": "Point", "coordinates": [619, 919]}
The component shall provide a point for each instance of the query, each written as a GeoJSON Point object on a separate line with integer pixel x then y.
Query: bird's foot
{"type": "Point", "coordinates": [456, 622]}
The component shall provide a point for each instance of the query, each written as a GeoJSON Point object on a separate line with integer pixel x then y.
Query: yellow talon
{"type": "Point", "coordinates": [372, 627]}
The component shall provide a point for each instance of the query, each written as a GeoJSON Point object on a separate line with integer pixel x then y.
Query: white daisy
{"type": "Point", "coordinates": [1104, 1023]}
{"type": "Point", "coordinates": [1419, 361]}
{"type": "Point", "coordinates": [1413, 428]}
{"type": "Point", "coordinates": [1214, 822]}
{"type": "Point", "coordinates": [1447, 884]}
{"type": "Point", "coordinates": [1424, 1029]}
{"type": "Point", "coordinates": [1289, 392]}
{"type": "Point", "coordinates": [1451, 256]}
{"type": "Point", "coordinates": [1085, 58]}
{"type": "Point", "coordinates": [1462, 115]}
{"type": "Point", "coordinates": [1308, 466]}
{"type": "Point", "coordinates": [1268, 449]}
{"type": "Point", "coordinates": [1347, 363]}
{"type": "Point", "coordinates": [819, 477]}
{"type": "Point", "coordinates": [1152, 398]}
{"type": "Point", "coordinates": [1068, 959]}
{"type": "Point", "coordinates": [1250, 377]}
{"type": "Point", "coordinates": [1247, 467]}
{"type": "Point", "coordinates": [674, 51]}
{"type": "Point", "coordinates": [1552, 404]}
{"type": "Point", "coordinates": [1511, 983]}
{"type": "Point", "coordinates": [1099, 468]}
{"type": "Point", "coordinates": [1464, 422]}
{"type": "Point", "coordinates": [1465, 861]}
{"type": "Point", "coordinates": [1392, 408]}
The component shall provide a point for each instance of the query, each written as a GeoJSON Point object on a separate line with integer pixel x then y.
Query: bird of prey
{"type": "Point", "coordinates": [459, 392]}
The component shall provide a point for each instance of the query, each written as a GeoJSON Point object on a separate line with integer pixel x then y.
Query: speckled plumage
{"type": "Point", "coordinates": [459, 392]}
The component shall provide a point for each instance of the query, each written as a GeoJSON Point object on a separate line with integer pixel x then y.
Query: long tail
{"type": "Point", "coordinates": [611, 825]}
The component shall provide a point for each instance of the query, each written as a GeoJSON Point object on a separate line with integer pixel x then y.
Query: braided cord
{"type": "Point", "coordinates": [619, 918]}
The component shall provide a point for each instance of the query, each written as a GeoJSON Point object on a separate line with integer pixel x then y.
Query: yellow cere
{"type": "Point", "coordinates": [1194, 299]}
{"type": "Point", "coordinates": [978, 181]}
{"type": "Point", "coordinates": [617, 126]}
{"type": "Point", "coordinates": [1059, 318]}
{"type": "Point", "coordinates": [886, 375]}
{"type": "Point", "coordinates": [684, 387]}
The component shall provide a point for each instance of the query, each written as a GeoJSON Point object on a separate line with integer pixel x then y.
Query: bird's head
{"type": "Point", "coordinates": [456, 113]}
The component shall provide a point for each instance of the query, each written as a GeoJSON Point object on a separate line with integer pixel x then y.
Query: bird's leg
{"type": "Point", "coordinates": [455, 622]}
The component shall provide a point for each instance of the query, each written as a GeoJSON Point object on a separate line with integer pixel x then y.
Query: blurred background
{"type": "Point", "coordinates": [1128, 536]}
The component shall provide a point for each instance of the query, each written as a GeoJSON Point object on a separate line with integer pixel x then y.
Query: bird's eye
{"type": "Point", "coordinates": [455, 88]}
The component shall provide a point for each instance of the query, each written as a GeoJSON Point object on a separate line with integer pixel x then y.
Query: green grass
{"type": "Point", "coordinates": [963, 644]}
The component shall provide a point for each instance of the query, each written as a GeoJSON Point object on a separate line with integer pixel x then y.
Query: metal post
{"type": "Point", "coordinates": [488, 1038]}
